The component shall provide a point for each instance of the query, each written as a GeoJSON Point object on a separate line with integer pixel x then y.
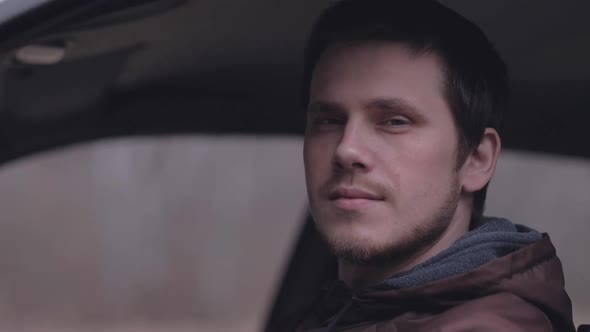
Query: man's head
{"type": "Point", "coordinates": [404, 99]}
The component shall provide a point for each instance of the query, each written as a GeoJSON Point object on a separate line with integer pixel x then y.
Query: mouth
{"type": "Point", "coordinates": [350, 198]}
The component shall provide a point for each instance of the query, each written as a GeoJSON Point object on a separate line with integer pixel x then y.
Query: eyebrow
{"type": "Point", "coordinates": [391, 104]}
{"type": "Point", "coordinates": [380, 103]}
{"type": "Point", "coordinates": [324, 107]}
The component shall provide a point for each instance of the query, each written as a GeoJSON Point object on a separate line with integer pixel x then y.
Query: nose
{"type": "Point", "coordinates": [353, 152]}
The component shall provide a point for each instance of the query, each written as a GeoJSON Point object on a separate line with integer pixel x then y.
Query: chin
{"type": "Point", "coordinates": [360, 240]}
{"type": "Point", "coordinates": [364, 243]}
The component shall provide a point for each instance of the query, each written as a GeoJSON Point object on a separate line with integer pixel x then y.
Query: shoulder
{"type": "Point", "coordinates": [497, 312]}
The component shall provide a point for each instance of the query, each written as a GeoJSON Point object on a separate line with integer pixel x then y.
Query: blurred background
{"type": "Point", "coordinates": [152, 174]}
{"type": "Point", "coordinates": [194, 232]}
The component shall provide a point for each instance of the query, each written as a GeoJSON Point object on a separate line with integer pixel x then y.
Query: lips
{"type": "Point", "coordinates": [353, 198]}
{"type": "Point", "coordinates": [353, 193]}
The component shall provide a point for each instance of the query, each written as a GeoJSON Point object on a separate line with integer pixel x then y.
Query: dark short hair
{"type": "Point", "coordinates": [476, 83]}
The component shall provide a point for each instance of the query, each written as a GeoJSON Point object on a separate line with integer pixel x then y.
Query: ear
{"type": "Point", "coordinates": [479, 167]}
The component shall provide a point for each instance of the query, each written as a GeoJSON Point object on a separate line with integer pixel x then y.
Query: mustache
{"type": "Point", "coordinates": [356, 181]}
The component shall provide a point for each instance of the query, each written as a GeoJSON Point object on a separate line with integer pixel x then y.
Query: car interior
{"type": "Point", "coordinates": [151, 158]}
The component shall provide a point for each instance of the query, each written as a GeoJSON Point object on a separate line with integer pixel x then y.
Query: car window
{"type": "Point", "coordinates": [550, 193]}
{"type": "Point", "coordinates": [12, 8]}
{"type": "Point", "coordinates": [193, 232]}
{"type": "Point", "coordinates": [175, 233]}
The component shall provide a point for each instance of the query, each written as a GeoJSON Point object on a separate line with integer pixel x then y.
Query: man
{"type": "Point", "coordinates": [404, 102]}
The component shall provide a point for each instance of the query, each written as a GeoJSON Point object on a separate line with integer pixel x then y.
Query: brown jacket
{"type": "Point", "coordinates": [522, 291]}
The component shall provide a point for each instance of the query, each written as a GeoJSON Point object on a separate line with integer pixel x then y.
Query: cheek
{"type": "Point", "coordinates": [435, 150]}
{"type": "Point", "coordinates": [424, 167]}
{"type": "Point", "coordinates": [317, 161]}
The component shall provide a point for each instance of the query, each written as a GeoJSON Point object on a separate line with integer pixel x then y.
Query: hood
{"type": "Point", "coordinates": [494, 238]}
{"type": "Point", "coordinates": [497, 257]}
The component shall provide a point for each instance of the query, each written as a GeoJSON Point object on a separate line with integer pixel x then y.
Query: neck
{"type": "Point", "coordinates": [362, 276]}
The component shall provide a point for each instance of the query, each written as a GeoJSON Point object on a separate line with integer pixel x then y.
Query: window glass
{"type": "Point", "coordinates": [173, 233]}
{"type": "Point", "coordinates": [192, 233]}
{"type": "Point", "coordinates": [550, 194]}
{"type": "Point", "coordinates": [12, 8]}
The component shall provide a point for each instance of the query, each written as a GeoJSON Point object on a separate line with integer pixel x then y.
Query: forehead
{"type": "Point", "coordinates": [353, 72]}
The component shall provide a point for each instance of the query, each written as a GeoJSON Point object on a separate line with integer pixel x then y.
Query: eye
{"type": "Point", "coordinates": [321, 121]}
{"type": "Point", "coordinates": [327, 121]}
{"type": "Point", "coordinates": [396, 122]}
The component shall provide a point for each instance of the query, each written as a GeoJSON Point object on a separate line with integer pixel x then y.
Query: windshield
{"type": "Point", "coordinates": [10, 9]}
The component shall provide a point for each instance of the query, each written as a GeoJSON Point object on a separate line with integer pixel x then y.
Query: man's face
{"type": "Point", "coordinates": [380, 151]}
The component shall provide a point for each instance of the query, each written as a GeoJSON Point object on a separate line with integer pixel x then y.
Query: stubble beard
{"type": "Point", "coordinates": [423, 235]}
